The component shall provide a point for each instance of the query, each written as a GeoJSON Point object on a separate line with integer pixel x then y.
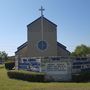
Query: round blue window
{"type": "Point", "coordinates": [42, 45]}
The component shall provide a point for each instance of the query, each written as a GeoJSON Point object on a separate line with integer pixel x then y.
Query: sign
{"type": "Point", "coordinates": [54, 65]}
{"type": "Point", "coordinates": [30, 64]}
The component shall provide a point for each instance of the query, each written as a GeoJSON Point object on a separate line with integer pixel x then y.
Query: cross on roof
{"type": "Point", "coordinates": [41, 9]}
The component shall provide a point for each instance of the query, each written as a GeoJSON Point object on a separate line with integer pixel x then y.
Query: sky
{"type": "Point", "coordinates": [72, 18]}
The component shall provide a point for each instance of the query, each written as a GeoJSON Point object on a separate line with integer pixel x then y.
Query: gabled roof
{"type": "Point", "coordinates": [62, 46]}
{"type": "Point", "coordinates": [43, 18]}
{"type": "Point", "coordinates": [25, 44]}
{"type": "Point", "coordinates": [22, 46]}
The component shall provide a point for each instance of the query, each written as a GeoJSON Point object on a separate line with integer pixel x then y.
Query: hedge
{"type": "Point", "coordinates": [26, 75]}
{"type": "Point", "coordinates": [9, 65]}
{"type": "Point", "coordinates": [81, 77]}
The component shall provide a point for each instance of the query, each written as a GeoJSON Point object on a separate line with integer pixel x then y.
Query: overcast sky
{"type": "Point", "coordinates": [71, 16]}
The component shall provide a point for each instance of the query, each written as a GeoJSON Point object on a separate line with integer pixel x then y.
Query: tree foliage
{"type": "Point", "coordinates": [3, 56]}
{"type": "Point", "coordinates": [81, 50]}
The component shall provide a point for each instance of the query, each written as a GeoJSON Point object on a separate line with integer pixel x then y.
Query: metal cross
{"type": "Point", "coordinates": [41, 9]}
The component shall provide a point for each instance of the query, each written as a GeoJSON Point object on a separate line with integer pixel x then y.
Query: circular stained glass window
{"type": "Point", "coordinates": [42, 45]}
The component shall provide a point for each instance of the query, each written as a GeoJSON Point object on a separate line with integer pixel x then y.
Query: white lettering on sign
{"type": "Point", "coordinates": [56, 67]}
{"type": "Point", "coordinates": [59, 67]}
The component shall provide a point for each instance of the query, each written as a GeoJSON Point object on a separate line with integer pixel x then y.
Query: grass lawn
{"type": "Point", "coordinates": [11, 84]}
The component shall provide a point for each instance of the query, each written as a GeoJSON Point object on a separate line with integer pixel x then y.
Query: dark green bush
{"type": "Point", "coordinates": [26, 75]}
{"type": "Point", "coordinates": [81, 77]}
{"type": "Point", "coordinates": [9, 65]}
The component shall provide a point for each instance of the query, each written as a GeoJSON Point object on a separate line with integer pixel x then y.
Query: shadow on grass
{"type": "Point", "coordinates": [52, 81]}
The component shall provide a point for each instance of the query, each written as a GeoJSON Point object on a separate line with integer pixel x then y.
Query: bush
{"type": "Point", "coordinates": [81, 77]}
{"type": "Point", "coordinates": [26, 75]}
{"type": "Point", "coordinates": [9, 65]}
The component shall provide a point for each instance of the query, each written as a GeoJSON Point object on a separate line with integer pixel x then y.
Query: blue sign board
{"type": "Point", "coordinates": [82, 65]}
{"type": "Point", "coordinates": [30, 64]}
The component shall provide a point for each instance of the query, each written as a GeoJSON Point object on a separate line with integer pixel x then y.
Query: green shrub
{"type": "Point", "coordinates": [81, 77]}
{"type": "Point", "coordinates": [26, 75]}
{"type": "Point", "coordinates": [9, 65]}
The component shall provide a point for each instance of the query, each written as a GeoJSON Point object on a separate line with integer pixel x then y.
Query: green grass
{"type": "Point", "coordinates": [1, 66]}
{"type": "Point", "coordinates": [11, 84]}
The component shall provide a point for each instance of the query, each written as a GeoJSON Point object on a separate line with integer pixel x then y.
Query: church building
{"type": "Point", "coordinates": [41, 40]}
{"type": "Point", "coordinates": [42, 52]}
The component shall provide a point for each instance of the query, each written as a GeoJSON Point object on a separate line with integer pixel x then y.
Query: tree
{"type": "Point", "coordinates": [81, 50]}
{"type": "Point", "coordinates": [3, 56]}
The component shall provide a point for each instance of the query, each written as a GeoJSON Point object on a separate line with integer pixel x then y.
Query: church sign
{"type": "Point", "coordinates": [48, 65]}
{"type": "Point", "coordinates": [55, 67]}
{"type": "Point", "coordinates": [30, 64]}
{"type": "Point", "coordinates": [80, 64]}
